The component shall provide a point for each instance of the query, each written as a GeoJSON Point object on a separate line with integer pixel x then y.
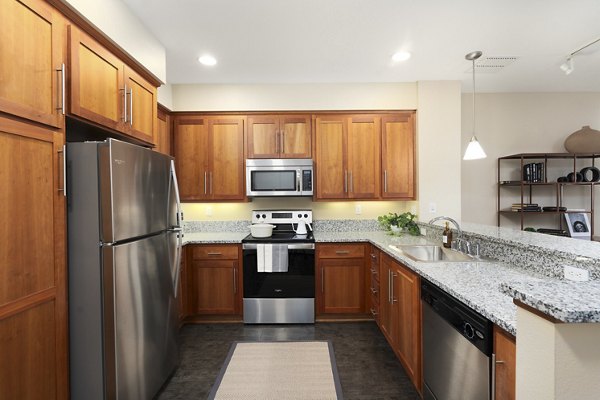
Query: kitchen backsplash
{"type": "Point", "coordinates": [216, 226]}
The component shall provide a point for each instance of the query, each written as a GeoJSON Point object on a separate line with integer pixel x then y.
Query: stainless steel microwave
{"type": "Point", "coordinates": [279, 177]}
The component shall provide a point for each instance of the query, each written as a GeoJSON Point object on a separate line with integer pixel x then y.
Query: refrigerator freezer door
{"type": "Point", "coordinates": [134, 190]}
{"type": "Point", "coordinates": [175, 242]}
{"type": "Point", "coordinates": [145, 315]}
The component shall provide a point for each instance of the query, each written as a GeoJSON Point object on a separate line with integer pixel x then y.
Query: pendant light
{"type": "Point", "coordinates": [474, 150]}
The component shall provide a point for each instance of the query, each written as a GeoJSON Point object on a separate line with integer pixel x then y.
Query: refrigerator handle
{"type": "Point", "coordinates": [177, 198]}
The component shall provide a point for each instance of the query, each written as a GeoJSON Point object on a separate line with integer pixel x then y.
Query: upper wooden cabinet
{"type": "Point", "coordinates": [398, 156]}
{"type": "Point", "coordinates": [347, 157]}
{"type": "Point", "coordinates": [32, 72]}
{"type": "Point", "coordinates": [279, 136]}
{"type": "Point", "coordinates": [105, 91]}
{"type": "Point", "coordinates": [163, 132]}
{"type": "Point", "coordinates": [209, 153]}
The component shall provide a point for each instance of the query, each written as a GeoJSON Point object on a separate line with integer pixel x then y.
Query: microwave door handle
{"type": "Point", "coordinates": [298, 181]}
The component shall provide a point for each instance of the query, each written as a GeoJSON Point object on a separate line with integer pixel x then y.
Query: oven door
{"type": "Point", "coordinates": [297, 282]}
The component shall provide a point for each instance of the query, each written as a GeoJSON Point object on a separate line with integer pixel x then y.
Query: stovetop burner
{"type": "Point", "coordinates": [286, 222]}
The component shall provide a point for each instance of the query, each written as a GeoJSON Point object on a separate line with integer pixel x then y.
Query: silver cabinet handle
{"type": "Point", "coordinates": [342, 252]}
{"type": "Point", "coordinates": [131, 106]}
{"type": "Point", "coordinates": [385, 181]}
{"type": "Point", "coordinates": [351, 183]}
{"type": "Point", "coordinates": [234, 280]}
{"type": "Point", "coordinates": [62, 89]}
{"type": "Point", "coordinates": [281, 142]}
{"type": "Point", "coordinates": [205, 182]}
{"type": "Point", "coordinates": [125, 104]}
{"type": "Point", "coordinates": [345, 181]}
{"type": "Point", "coordinates": [210, 182]}
{"type": "Point", "coordinates": [392, 291]}
{"type": "Point", "coordinates": [389, 286]}
{"type": "Point", "coordinates": [64, 156]}
{"type": "Point", "coordinates": [494, 376]}
{"type": "Point", "coordinates": [216, 253]}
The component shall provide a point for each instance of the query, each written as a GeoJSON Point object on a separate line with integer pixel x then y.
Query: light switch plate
{"type": "Point", "coordinates": [576, 274]}
{"type": "Point", "coordinates": [358, 209]}
{"type": "Point", "coordinates": [432, 208]}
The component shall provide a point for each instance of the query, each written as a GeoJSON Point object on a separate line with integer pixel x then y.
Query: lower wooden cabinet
{"type": "Point", "coordinates": [340, 279]}
{"type": "Point", "coordinates": [213, 275]}
{"type": "Point", "coordinates": [400, 314]}
{"type": "Point", "coordinates": [505, 351]}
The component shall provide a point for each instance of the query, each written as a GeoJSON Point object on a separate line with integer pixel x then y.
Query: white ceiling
{"type": "Point", "coordinates": [298, 41]}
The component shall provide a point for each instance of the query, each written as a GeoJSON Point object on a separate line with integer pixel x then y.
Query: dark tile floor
{"type": "Point", "coordinates": [367, 367]}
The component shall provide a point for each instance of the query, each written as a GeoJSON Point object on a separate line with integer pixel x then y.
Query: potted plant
{"type": "Point", "coordinates": [397, 223]}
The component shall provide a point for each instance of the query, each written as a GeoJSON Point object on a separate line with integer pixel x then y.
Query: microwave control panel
{"type": "Point", "coordinates": [307, 180]}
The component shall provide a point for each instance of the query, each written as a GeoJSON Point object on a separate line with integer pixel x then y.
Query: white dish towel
{"type": "Point", "coordinates": [272, 258]}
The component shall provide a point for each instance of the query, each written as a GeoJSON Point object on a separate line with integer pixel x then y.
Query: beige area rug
{"type": "Point", "coordinates": [278, 371]}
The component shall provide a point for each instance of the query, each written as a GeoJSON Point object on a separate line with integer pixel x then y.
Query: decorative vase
{"type": "Point", "coordinates": [585, 140]}
{"type": "Point", "coordinates": [395, 228]}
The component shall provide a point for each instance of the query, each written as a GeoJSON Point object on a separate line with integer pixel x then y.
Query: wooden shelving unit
{"type": "Point", "coordinates": [528, 189]}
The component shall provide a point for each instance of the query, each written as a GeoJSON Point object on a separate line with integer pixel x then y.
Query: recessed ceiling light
{"type": "Point", "coordinates": [401, 56]}
{"type": "Point", "coordinates": [207, 60]}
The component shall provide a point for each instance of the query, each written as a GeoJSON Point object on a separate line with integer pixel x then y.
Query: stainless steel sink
{"type": "Point", "coordinates": [432, 253]}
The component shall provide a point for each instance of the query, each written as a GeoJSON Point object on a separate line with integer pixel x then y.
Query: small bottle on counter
{"type": "Point", "coordinates": [447, 237]}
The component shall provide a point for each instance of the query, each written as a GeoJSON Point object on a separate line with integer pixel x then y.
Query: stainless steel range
{"type": "Point", "coordinates": [279, 271]}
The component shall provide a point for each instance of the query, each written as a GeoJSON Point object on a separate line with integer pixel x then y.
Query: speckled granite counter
{"type": "Point", "coordinates": [564, 300]}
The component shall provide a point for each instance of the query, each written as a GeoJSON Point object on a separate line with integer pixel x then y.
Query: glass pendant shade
{"type": "Point", "coordinates": [474, 150]}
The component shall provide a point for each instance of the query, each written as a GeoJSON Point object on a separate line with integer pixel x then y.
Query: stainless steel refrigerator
{"type": "Point", "coordinates": [124, 243]}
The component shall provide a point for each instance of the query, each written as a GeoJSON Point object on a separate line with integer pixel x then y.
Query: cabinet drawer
{"type": "Point", "coordinates": [215, 252]}
{"type": "Point", "coordinates": [341, 251]}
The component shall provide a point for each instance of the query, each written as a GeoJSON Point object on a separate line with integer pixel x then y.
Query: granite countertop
{"type": "Point", "coordinates": [488, 287]}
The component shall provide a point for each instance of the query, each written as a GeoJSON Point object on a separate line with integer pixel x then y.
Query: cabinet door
{"type": "Point", "coordinates": [31, 71]}
{"type": "Point", "coordinates": [97, 89]}
{"type": "Point", "coordinates": [214, 287]}
{"type": "Point", "coordinates": [408, 342]}
{"type": "Point", "coordinates": [341, 283]}
{"type": "Point", "coordinates": [226, 158]}
{"type": "Point", "coordinates": [191, 157]}
{"type": "Point", "coordinates": [33, 308]}
{"type": "Point", "coordinates": [363, 157]}
{"type": "Point", "coordinates": [330, 157]}
{"type": "Point", "coordinates": [141, 107]}
{"type": "Point", "coordinates": [263, 137]}
{"type": "Point", "coordinates": [505, 350]}
{"type": "Point", "coordinates": [398, 156]}
{"type": "Point", "coordinates": [295, 136]}
{"type": "Point", "coordinates": [163, 132]}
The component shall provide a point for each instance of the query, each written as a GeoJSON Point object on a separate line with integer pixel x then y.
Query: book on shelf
{"type": "Point", "coordinates": [533, 172]}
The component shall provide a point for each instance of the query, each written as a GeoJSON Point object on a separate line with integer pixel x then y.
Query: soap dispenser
{"type": "Point", "coordinates": [447, 237]}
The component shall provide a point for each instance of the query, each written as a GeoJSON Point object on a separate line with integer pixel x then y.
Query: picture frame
{"type": "Point", "coordinates": [578, 225]}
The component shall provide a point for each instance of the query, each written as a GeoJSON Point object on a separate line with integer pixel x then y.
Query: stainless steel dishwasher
{"type": "Point", "coordinates": [457, 348]}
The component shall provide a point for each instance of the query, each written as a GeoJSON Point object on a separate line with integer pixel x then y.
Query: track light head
{"type": "Point", "coordinates": [567, 67]}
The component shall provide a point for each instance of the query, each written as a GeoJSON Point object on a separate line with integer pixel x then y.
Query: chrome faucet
{"type": "Point", "coordinates": [459, 243]}
{"type": "Point", "coordinates": [442, 218]}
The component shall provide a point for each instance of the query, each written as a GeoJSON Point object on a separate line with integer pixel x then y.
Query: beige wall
{"type": "Point", "coordinates": [317, 96]}
{"type": "Point", "coordinates": [439, 146]}
{"type": "Point", "coordinates": [116, 20]}
{"type": "Point", "coordinates": [509, 123]}
{"type": "Point", "coordinates": [321, 210]}
{"type": "Point", "coordinates": [556, 361]}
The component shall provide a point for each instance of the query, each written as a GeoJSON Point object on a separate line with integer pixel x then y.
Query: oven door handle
{"type": "Point", "coordinates": [290, 246]}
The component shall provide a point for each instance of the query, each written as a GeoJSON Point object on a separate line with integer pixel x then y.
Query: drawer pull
{"type": "Point", "coordinates": [374, 313]}
{"type": "Point", "coordinates": [342, 252]}
{"type": "Point", "coordinates": [214, 253]}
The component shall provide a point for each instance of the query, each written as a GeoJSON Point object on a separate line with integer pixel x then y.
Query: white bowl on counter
{"type": "Point", "coordinates": [261, 230]}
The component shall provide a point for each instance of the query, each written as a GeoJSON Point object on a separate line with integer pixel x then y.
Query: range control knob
{"type": "Point", "coordinates": [264, 216]}
{"type": "Point", "coordinates": [468, 330]}
{"type": "Point", "coordinates": [299, 215]}
{"type": "Point", "coordinates": [257, 215]}
{"type": "Point", "coordinates": [305, 215]}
